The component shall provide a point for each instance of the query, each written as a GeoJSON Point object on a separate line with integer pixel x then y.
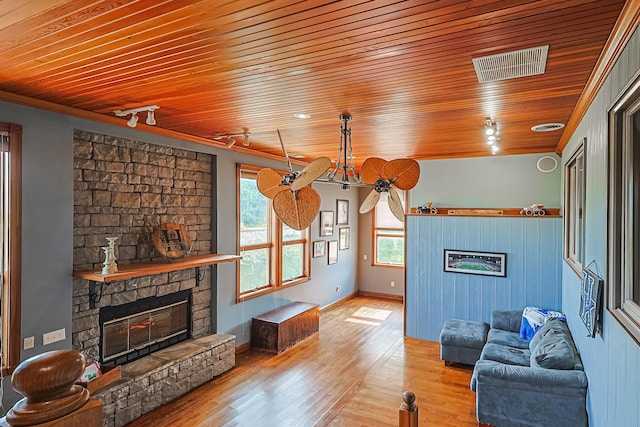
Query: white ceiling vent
{"type": "Point", "coordinates": [511, 65]}
{"type": "Point", "coordinates": [547, 127]}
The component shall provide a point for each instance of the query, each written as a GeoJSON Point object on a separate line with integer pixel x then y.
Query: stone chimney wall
{"type": "Point", "coordinates": [126, 188]}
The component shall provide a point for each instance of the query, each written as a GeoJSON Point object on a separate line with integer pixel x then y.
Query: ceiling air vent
{"type": "Point", "coordinates": [547, 127]}
{"type": "Point", "coordinates": [511, 65]}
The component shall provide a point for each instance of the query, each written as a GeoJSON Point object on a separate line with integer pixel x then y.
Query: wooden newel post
{"type": "Point", "coordinates": [408, 412]}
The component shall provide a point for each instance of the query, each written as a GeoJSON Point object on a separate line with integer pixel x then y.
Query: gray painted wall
{"type": "Point", "coordinates": [612, 360]}
{"type": "Point", "coordinates": [47, 247]}
{"type": "Point", "coordinates": [487, 182]}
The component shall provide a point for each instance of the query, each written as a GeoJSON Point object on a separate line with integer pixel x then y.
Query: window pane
{"type": "Point", "coordinates": [292, 261]}
{"type": "Point", "coordinates": [254, 269]}
{"type": "Point", "coordinates": [383, 216]}
{"type": "Point", "coordinates": [635, 153]}
{"type": "Point", "coordinates": [254, 214]}
{"type": "Point", "coordinates": [289, 233]}
{"type": "Point", "coordinates": [390, 250]}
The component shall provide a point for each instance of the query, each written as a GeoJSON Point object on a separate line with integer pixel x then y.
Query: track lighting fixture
{"type": "Point", "coordinates": [491, 132]}
{"type": "Point", "coordinates": [231, 140]}
{"type": "Point", "coordinates": [490, 127]}
{"type": "Point", "coordinates": [133, 121]}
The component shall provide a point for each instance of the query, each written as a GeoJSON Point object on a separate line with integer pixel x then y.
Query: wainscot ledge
{"type": "Point", "coordinates": [164, 375]}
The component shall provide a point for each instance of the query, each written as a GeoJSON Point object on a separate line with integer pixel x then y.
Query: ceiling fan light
{"type": "Point", "coordinates": [133, 121]}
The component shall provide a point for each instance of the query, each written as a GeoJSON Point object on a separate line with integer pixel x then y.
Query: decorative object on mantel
{"type": "Point", "coordinates": [47, 382]}
{"type": "Point", "coordinates": [427, 208]}
{"type": "Point", "coordinates": [299, 206]}
{"type": "Point", "coordinates": [109, 265]}
{"type": "Point", "coordinates": [386, 176]}
{"type": "Point", "coordinates": [533, 210]}
{"type": "Point", "coordinates": [171, 240]}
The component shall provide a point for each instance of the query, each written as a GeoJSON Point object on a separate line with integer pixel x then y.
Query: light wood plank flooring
{"type": "Point", "coordinates": [351, 373]}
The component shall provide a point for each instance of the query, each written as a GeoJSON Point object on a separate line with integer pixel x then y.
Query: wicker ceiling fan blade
{"type": "Point", "coordinates": [370, 202]}
{"type": "Point", "coordinates": [395, 205]}
{"type": "Point", "coordinates": [403, 173]}
{"type": "Point", "coordinates": [371, 170]}
{"type": "Point", "coordinates": [297, 209]}
{"type": "Point", "coordinates": [269, 183]}
{"type": "Point", "coordinates": [311, 172]}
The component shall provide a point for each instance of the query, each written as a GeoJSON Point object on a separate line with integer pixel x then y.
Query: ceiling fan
{"type": "Point", "coordinates": [294, 201]}
{"type": "Point", "coordinates": [386, 177]}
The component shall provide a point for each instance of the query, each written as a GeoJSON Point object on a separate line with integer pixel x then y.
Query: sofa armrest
{"type": "Point", "coordinates": [549, 381]}
{"type": "Point", "coordinates": [507, 320]}
{"type": "Point", "coordinates": [510, 395]}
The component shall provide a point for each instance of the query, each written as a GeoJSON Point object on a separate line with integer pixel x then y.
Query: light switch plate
{"type": "Point", "coordinates": [53, 336]}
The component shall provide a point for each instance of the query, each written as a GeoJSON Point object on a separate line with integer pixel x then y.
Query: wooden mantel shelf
{"type": "Point", "coordinates": [128, 271]}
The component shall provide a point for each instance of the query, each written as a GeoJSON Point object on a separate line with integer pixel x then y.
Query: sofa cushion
{"type": "Point", "coordinates": [506, 354]}
{"type": "Point", "coordinates": [555, 351]}
{"type": "Point", "coordinates": [553, 326]}
{"type": "Point", "coordinates": [511, 339]}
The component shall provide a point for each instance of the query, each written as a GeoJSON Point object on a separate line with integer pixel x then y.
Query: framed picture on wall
{"type": "Point", "coordinates": [343, 238]}
{"type": "Point", "coordinates": [482, 263]}
{"type": "Point", "coordinates": [319, 248]}
{"type": "Point", "coordinates": [333, 252]}
{"type": "Point", "coordinates": [326, 223]}
{"type": "Point", "coordinates": [342, 209]}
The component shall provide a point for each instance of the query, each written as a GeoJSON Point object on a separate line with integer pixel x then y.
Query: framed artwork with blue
{"type": "Point", "coordinates": [591, 302]}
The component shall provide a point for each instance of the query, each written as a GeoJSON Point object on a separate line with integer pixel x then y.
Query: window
{"type": "Point", "coordinates": [10, 245]}
{"type": "Point", "coordinates": [388, 234]}
{"type": "Point", "coordinates": [273, 255]}
{"type": "Point", "coordinates": [624, 210]}
{"type": "Point", "coordinates": [574, 190]}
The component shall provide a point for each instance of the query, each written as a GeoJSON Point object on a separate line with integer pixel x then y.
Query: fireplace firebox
{"type": "Point", "coordinates": [136, 329]}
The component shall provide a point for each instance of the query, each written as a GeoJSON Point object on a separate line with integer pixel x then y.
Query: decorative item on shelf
{"type": "Point", "coordinates": [171, 240]}
{"type": "Point", "coordinates": [533, 210]}
{"type": "Point", "coordinates": [109, 265]}
{"type": "Point", "coordinates": [48, 383]}
{"type": "Point", "coordinates": [427, 208]}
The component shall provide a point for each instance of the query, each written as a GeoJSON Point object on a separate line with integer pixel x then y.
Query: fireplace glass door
{"type": "Point", "coordinates": [140, 330]}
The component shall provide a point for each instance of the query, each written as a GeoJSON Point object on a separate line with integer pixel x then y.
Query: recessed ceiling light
{"type": "Point", "coordinates": [302, 116]}
{"type": "Point", "coordinates": [547, 127]}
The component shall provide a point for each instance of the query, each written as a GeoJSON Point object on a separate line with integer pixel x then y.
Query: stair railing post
{"type": "Point", "coordinates": [408, 412]}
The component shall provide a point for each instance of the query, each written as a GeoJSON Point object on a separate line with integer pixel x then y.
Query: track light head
{"type": "Point", "coordinates": [230, 138]}
{"type": "Point", "coordinates": [133, 121]}
{"type": "Point", "coordinates": [151, 118]}
{"type": "Point", "coordinates": [490, 128]}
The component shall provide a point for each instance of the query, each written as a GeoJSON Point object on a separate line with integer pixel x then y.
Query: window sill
{"type": "Point", "coordinates": [387, 265]}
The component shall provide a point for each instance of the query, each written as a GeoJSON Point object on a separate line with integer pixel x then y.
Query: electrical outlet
{"type": "Point", "coordinates": [393, 284]}
{"type": "Point", "coordinates": [365, 257]}
{"type": "Point", "coordinates": [29, 342]}
{"type": "Point", "coordinates": [53, 336]}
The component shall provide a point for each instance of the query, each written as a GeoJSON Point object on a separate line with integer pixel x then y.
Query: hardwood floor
{"type": "Point", "coordinates": [351, 373]}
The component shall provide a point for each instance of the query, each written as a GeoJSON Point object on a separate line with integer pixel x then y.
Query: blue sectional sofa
{"type": "Point", "coordinates": [529, 383]}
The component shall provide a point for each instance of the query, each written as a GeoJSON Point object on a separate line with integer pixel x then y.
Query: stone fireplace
{"type": "Point", "coordinates": [125, 188]}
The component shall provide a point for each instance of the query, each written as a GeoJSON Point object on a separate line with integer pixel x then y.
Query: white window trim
{"type": "Point", "coordinates": [621, 215]}
{"type": "Point", "coordinates": [574, 210]}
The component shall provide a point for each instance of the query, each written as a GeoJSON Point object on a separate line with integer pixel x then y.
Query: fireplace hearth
{"type": "Point", "coordinates": [133, 330]}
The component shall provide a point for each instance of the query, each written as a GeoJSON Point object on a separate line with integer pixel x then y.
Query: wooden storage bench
{"type": "Point", "coordinates": [285, 326]}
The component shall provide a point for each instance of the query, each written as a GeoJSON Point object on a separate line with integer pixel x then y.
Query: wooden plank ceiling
{"type": "Point", "coordinates": [403, 69]}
